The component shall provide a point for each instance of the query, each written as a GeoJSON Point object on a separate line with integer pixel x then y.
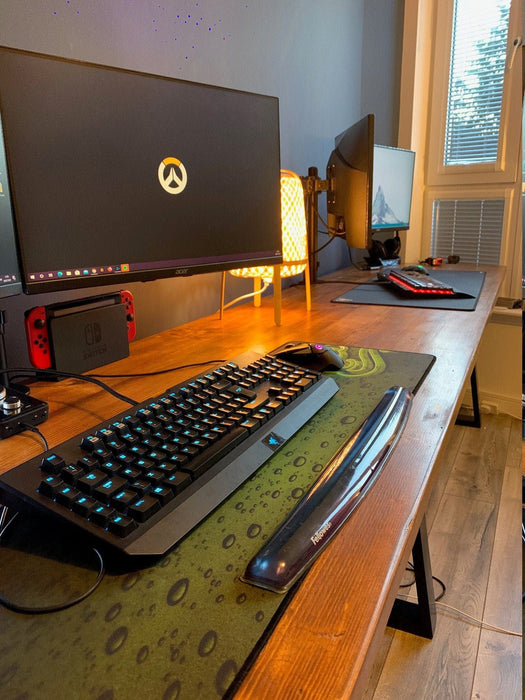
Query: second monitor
{"type": "Point", "coordinates": [370, 187]}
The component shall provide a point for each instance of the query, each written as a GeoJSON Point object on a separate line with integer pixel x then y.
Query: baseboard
{"type": "Point", "coordinates": [497, 403]}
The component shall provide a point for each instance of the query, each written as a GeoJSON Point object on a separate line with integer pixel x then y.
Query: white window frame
{"type": "Point", "coordinates": [423, 106]}
{"type": "Point", "coordinates": [505, 169]}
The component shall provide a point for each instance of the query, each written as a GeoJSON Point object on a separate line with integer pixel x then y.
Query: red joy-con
{"type": "Point", "coordinates": [127, 299]}
{"type": "Point", "coordinates": [37, 335]}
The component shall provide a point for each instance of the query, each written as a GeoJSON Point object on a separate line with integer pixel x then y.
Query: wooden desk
{"type": "Point", "coordinates": [325, 643]}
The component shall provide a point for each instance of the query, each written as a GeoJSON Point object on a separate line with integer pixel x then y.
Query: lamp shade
{"type": "Point", "coordinates": [293, 230]}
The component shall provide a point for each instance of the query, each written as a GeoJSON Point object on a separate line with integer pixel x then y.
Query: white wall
{"type": "Point", "coordinates": [306, 52]}
{"type": "Point", "coordinates": [381, 72]}
{"type": "Point", "coordinates": [499, 364]}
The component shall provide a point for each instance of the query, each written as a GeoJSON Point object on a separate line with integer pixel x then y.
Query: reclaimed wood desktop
{"type": "Point", "coordinates": [324, 644]}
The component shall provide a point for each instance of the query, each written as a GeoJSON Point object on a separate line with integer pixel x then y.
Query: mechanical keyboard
{"type": "Point", "coordinates": [142, 480]}
{"type": "Point", "coordinates": [417, 283]}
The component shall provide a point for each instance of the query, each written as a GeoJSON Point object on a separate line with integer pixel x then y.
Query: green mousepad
{"type": "Point", "coordinates": [184, 625]}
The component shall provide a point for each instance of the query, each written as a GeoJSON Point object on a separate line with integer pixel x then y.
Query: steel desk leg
{"type": "Point", "coordinates": [475, 420]}
{"type": "Point", "coordinates": [418, 618]}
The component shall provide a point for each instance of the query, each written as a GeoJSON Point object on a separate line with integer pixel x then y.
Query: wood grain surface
{"type": "Point", "coordinates": [325, 643]}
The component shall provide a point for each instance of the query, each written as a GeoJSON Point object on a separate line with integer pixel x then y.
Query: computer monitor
{"type": "Point", "coordinates": [119, 176]}
{"type": "Point", "coordinates": [349, 174]}
{"type": "Point", "coordinates": [9, 273]}
{"type": "Point", "coordinates": [393, 174]}
{"type": "Point", "coordinates": [370, 186]}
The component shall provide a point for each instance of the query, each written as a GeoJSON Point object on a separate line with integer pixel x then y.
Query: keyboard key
{"type": "Point", "coordinates": [120, 525]}
{"type": "Point", "coordinates": [66, 495]}
{"type": "Point", "coordinates": [140, 486]}
{"type": "Point", "coordinates": [251, 424]}
{"type": "Point", "coordinates": [156, 456]}
{"type": "Point", "coordinates": [144, 508]}
{"type": "Point", "coordinates": [131, 473]}
{"type": "Point", "coordinates": [178, 481]}
{"type": "Point", "coordinates": [111, 467]}
{"type": "Point", "coordinates": [101, 514]}
{"type": "Point", "coordinates": [88, 463]}
{"type": "Point", "coordinates": [154, 476]}
{"type": "Point", "coordinates": [50, 485]}
{"type": "Point", "coordinates": [83, 505]}
{"type": "Point", "coordinates": [52, 464]}
{"type": "Point", "coordinates": [144, 465]}
{"type": "Point", "coordinates": [109, 487]}
{"type": "Point", "coordinates": [204, 461]}
{"type": "Point", "coordinates": [178, 460]}
{"type": "Point", "coordinates": [123, 498]}
{"type": "Point", "coordinates": [91, 442]}
{"type": "Point", "coordinates": [71, 472]}
{"type": "Point", "coordinates": [90, 481]}
{"type": "Point", "coordinates": [162, 494]}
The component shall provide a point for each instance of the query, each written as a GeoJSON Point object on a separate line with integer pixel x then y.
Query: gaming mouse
{"type": "Point", "coordinates": [310, 355]}
{"type": "Point", "coordinates": [415, 268]}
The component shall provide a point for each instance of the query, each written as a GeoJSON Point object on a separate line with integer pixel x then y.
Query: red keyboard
{"type": "Point", "coordinates": [417, 283]}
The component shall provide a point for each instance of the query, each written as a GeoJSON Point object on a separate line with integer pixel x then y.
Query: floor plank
{"type": "Point", "coordinates": [474, 547]}
{"type": "Point", "coordinates": [500, 655]}
{"type": "Point", "coordinates": [444, 466]}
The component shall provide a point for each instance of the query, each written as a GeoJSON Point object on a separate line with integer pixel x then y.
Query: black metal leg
{"type": "Point", "coordinates": [418, 618]}
{"type": "Point", "coordinates": [475, 421]}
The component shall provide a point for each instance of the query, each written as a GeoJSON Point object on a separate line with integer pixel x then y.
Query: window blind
{"type": "Point", "coordinates": [470, 228]}
{"type": "Point", "coordinates": [477, 70]}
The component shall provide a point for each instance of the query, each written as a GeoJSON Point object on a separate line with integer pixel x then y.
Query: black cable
{"type": "Point", "coordinates": [4, 379]}
{"type": "Point", "coordinates": [160, 371]}
{"type": "Point", "coordinates": [332, 238]}
{"type": "Point", "coordinates": [49, 374]}
{"type": "Point", "coordinates": [410, 583]}
{"type": "Point", "coordinates": [42, 610]}
{"type": "Point", "coordinates": [94, 378]}
{"type": "Point", "coordinates": [330, 230]}
{"type": "Point", "coordinates": [359, 282]}
{"type": "Point", "coordinates": [34, 429]}
{"type": "Point", "coordinates": [444, 588]}
{"type": "Point", "coordinates": [410, 567]}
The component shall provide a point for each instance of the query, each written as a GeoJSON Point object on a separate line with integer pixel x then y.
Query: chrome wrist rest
{"type": "Point", "coordinates": [317, 517]}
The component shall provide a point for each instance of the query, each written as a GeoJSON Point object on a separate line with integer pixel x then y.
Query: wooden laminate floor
{"type": "Point", "coordinates": [475, 548]}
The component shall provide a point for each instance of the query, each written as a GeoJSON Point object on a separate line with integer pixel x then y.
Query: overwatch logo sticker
{"type": "Point", "coordinates": [172, 175]}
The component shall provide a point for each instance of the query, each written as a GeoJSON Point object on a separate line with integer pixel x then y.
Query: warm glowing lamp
{"type": "Point", "coordinates": [294, 245]}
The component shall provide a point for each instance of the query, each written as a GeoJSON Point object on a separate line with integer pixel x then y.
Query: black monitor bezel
{"type": "Point", "coordinates": [172, 268]}
{"type": "Point", "coordinates": [12, 288]}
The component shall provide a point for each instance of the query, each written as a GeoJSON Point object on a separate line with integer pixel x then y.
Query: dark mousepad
{"type": "Point", "coordinates": [466, 281]}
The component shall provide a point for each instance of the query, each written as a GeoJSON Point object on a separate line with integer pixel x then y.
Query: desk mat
{"type": "Point", "coordinates": [469, 281]}
{"type": "Point", "coordinates": [183, 626]}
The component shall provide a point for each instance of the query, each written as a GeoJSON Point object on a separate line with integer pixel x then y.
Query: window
{"type": "Point", "coordinates": [472, 171]}
{"type": "Point", "coordinates": [465, 111]}
{"type": "Point", "coordinates": [476, 80]}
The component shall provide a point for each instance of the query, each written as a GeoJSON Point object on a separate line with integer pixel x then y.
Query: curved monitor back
{"type": "Point", "coordinates": [370, 186]}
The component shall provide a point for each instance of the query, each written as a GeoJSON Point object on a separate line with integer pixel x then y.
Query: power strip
{"type": "Point", "coordinates": [18, 410]}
